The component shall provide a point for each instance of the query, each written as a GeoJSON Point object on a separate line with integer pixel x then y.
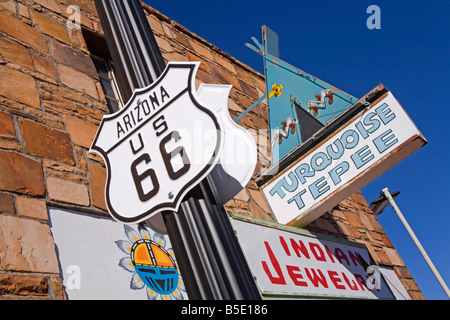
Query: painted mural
{"type": "Point", "coordinates": [101, 259]}
{"type": "Point", "coordinates": [152, 265]}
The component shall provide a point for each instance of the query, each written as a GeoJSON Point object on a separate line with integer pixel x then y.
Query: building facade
{"type": "Point", "coordinates": [56, 83]}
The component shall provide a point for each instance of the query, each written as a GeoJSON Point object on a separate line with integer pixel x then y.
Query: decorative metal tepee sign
{"type": "Point", "coordinates": [326, 144]}
{"type": "Point", "coordinates": [299, 103]}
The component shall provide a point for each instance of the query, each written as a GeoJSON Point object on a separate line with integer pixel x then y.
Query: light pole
{"type": "Point", "coordinates": [209, 255]}
{"type": "Point", "coordinates": [378, 207]}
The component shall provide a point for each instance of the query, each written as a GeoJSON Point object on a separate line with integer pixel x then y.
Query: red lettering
{"type": "Point", "coordinates": [361, 282]}
{"type": "Point", "coordinates": [356, 258]}
{"type": "Point", "coordinates": [316, 279]}
{"type": "Point", "coordinates": [317, 251]}
{"type": "Point", "coordinates": [330, 255]}
{"type": "Point", "coordinates": [276, 265]}
{"type": "Point", "coordinates": [340, 255]}
{"type": "Point", "coordinates": [294, 273]}
{"type": "Point", "coordinates": [299, 247]}
{"type": "Point", "coordinates": [352, 284]}
{"type": "Point", "coordinates": [336, 280]}
{"type": "Point", "coordinates": [285, 246]}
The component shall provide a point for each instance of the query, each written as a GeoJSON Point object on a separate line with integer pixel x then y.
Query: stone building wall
{"type": "Point", "coordinates": [51, 103]}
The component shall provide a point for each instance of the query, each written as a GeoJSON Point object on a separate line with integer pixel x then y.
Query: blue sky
{"type": "Point", "coordinates": [409, 55]}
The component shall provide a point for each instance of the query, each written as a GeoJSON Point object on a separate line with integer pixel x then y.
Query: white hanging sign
{"type": "Point", "coordinates": [239, 156]}
{"type": "Point", "coordinates": [372, 142]}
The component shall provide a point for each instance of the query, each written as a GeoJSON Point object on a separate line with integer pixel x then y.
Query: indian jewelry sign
{"type": "Point", "coordinates": [287, 262]}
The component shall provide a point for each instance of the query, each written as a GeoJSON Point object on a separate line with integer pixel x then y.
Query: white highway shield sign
{"type": "Point", "coordinates": [158, 147]}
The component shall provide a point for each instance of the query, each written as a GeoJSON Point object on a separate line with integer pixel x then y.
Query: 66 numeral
{"type": "Point", "coordinates": [167, 157]}
{"type": "Point", "coordinates": [138, 178]}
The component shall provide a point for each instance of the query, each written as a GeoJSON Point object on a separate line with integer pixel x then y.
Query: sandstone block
{"type": "Point", "coordinates": [164, 45]}
{"type": "Point", "coordinates": [374, 221]}
{"type": "Point", "coordinates": [9, 5]}
{"type": "Point", "coordinates": [86, 5]}
{"type": "Point", "coordinates": [225, 76]}
{"type": "Point", "coordinates": [201, 50]}
{"type": "Point", "coordinates": [97, 176]}
{"type": "Point", "coordinates": [366, 221]}
{"type": "Point", "coordinates": [30, 207]}
{"type": "Point", "coordinates": [21, 174]}
{"type": "Point", "coordinates": [155, 24]}
{"type": "Point", "coordinates": [81, 132]}
{"type": "Point", "coordinates": [175, 56]}
{"type": "Point", "coordinates": [7, 203]}
{"type": "Point", "coordinates": [58, 102]}
{"type": "Point", "coordinates": [14, 284]}
{"type": "Point", "coordinates": [387, 241]}
{"type": "Point", "coordinates": [203, 65]}
{"type": "Point", "coordinates": [224, 62]}
{"type": "Point", "coordinates": [15, 53]}
{"type": "Point", "coordinates": [26, 245]}
{"type": "Point", "coordinates": [259, 213]}
{"type": "Point", "coordinates": [22, 31]}
{"type": "Point", "coordinates": [402, 272]}
{"type": "Point", "coordinates": [410, 284]}
{"type": "Point", "coordinates": [257, 196]}
{"type": "Point", "coordinates": [245, 76]}
{"type": "Point", "coordinates": [77, 80]}
{"type": "Point", "coordinates": [6, 124]}
{"type": "Point", "coordinates": [58, 288]}
{"type": "Point", "coordinates": [50, 27]}
{"type": "Point", "coordinates": [249, 90]}
{"type": "Point", "coordinates": [49, 4]}
{"type": "Point", "coordinates": [394, 257]}
{"type": "Point", "coordinates": [242, 195]}
{"type": "Point", "coordinates": [416, 295]}
{"type": "Point", "coordinates": [380, 256]}
{"type": "Point", "coordinates": [180, 38]}
{"type": "Point", "coordinates": [241, 204]}
{"type": "Point", "coordinates": [359, 198]}
{"type": "Point", "coordinates": [67, 191]}
{"type": "Point", "coordinates": [19, 87]}
{"type": "Point", "coordinates": [43, 141]}
{"type": "Point", "coordinates": [73, 58]}
{"type": "Point", "coordinates": [44, 66]}
{"type": "Point", "coordinates": [23, 11]}
{"type": "Point", "coordinates": [353, 218]}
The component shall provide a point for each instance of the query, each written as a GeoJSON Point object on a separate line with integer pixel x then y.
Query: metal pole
{"type": "Point", "coordinates": [133, 48]}
{"type": "Point", "coordinates": [416, 241]}
{"type": "Point", "coordinates": [208, 254]}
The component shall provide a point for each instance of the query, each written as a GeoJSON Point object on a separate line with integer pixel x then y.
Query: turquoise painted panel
{"type": "Point", "coordinates": [305, 104]}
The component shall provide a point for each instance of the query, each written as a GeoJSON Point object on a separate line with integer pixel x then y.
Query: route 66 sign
{"type": "Point", "coordinates": [158, 147]}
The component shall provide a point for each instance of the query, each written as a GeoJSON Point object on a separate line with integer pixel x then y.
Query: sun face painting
{"type": "Point", "coordinates": [153, 266]}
